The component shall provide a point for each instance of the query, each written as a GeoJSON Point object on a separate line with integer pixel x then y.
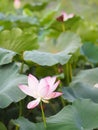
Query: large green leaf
{"type": "Point", "coordinates": [48, 19]}
{"type": "Point", "coordinates": [19, 18]}
{"type": "Point", "coordinates": [90, 33]}
{"type": "Point", "coordinates": [59, 52]}
{"type": "Point", "coordinates": [17, 40]}
{"type": "Point", "coordinates": [89, 77]}
{"type": "Point", "coordinates": [25, 124]}
{"type": "Point", "coordinates": [23, 22]}
{"type": "Point", "coordinates": [9, 81]}
{"type": "Point", "coordinates": [6, 56]}
{"type": "Point", "coordinates": [2, 126]}
{"type": "Point", "coordinates": [36, 6]}
{"type": "Point", "coordinates": [90, 51]}
{"type": "Point", "coordinates": [82, 86]}
{"type": "Point", "coordinates": [81, 115]}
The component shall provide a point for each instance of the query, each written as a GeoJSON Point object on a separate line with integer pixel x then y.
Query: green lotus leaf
{"type": "Point", "coordinates": [90, 51]}
{"type": "Point", "coordinates": [59, 52]}
{"type": "Point", "coordinates": [36, 6]}
{"type": "Point", "coordinates": [2, 126]}
{"type": "Point", "coordinates": [18, 18]}
{"type": "Point", "coordinates": [6, 56]}
{"type": "Point", "coordinates": [82, 86]}
{"type": "Point", "coordinates": [17, 40]}
{"type": "Point", "coordinates": [81, 115]}
{"type": "Point", "coordinates": [20, 123]}
{"type": "Point", "coordinates": [9, 81]}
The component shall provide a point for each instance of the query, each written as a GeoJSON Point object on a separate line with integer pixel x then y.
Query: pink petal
{"type": "Point", "coordinates": [42, 83]}
{"type": "Point", "coordinates": [43, 92]}
{"type": "Point", "coordinates": [26, 90]}
{"type": "Point", "coordinates": [53, 88]}
{"type": "Point", "coordinates": [53, 95]}
{"type": "Point", "coordinates": [64, 14]}
{"type": "Point", "coordinates": [50, 80]}
{"type": "Point", "coordinates": [29, 91]}
{"type": "Point", "coordinates": [33, 103]}
{"type": "Point", "coordinates": [96, 85]}
{"type": "Point", "coordinates": [67, 16]}
{"type": "Point", "coordinates": [43, 88]}
{"type": "Point", "coordinates": [70, 15]}
{"type": "Point", "coordinates": [32, 82]}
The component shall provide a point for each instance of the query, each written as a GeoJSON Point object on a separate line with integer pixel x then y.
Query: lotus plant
{"type": "Point", "coordinates": [42, 90]}
{"type": "Point", "coordinates": [64, 17]}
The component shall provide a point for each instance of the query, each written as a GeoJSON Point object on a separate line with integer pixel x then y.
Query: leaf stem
{"type": "Point", "coordinates": [70, 72]}
{"type": "Point", "coordinates": [43, 114]}
{"type": "Point", "coordinates": [21, 69]}
{"type": "Point", "coordinates": [62, 101]}
{"type": "Point", "coordinates": [67, 73]}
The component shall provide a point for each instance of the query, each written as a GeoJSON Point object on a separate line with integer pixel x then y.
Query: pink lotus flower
{"type": "Point", "coordinates": [17, 4]}
{"type": "Point", "coordinates": [42, 90]}
{"type": "Point", "coordinates": [64, 16]}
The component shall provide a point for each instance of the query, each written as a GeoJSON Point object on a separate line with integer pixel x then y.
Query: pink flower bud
{"type": "Point", "coordinates": [64, 17]}
{"type": "Point", "coordinates": [17, 4]}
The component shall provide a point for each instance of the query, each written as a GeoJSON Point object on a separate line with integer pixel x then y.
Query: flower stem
{"type": "Point", "coordinates": [17, 127]}
{"type": "Point", "coordinates": [43, 114]}
{"type": "Point", "coordinates": [20, 108]}
{"type": "Point", "coordinates": [63, 27]}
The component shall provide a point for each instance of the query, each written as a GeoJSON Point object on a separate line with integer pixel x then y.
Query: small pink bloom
{"type": "Point", "coordinates": [96, 85]}
{"type": "Point", "coordinates": [17, 4]}
{"type": "Point", "coordinates": [64, 17]}
{"type": "Point", "coordinates": [42, 90]}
